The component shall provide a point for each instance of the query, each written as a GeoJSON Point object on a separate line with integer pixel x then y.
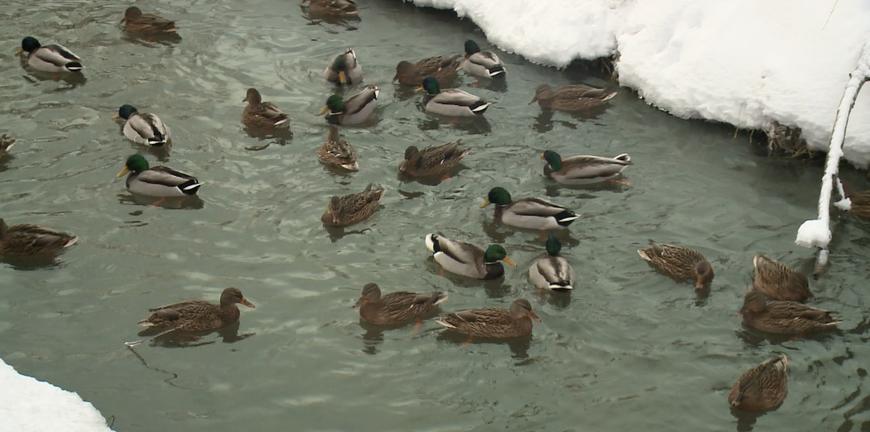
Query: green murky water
{"type": "Point", "coordinates": [630, 349]}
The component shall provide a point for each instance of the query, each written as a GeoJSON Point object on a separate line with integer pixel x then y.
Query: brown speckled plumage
{"type": "Point", "coordinates": [577, 97]}
{"type": "Point", "coordinates": [433, 161]}
{"type": "Point", "coordinates": [779, 282]}
{"type": "Point", "coordinates": [397, 308]}
{"type": "Point", "coordinates": [762, 388]}
{"type": "Point", "coordinates": [32, 240]}
{"type": "Point", "coordinates": [262, 115]}
{"type": "Point", "coordinates": [354, 208]}
{"type": "Point", "coordinates": [337, 152]}
{"type": "Point", "coordinates": [197, 315]}
{"type": "Point", "coordinates": [784, 317]}
{"type": "Point", "coordinates": [679, 263]}
{"type": "Point", "coordinates": [442, 68]}
{"type": "Point", "coordinates": [146, 23]}
{"type": "Point", "coordinates": [492, 323]}
{"type": "Point", "coordinates": [6, 143]}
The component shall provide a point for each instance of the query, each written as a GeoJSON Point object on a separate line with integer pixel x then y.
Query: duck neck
{"type": "Point", "coordinates": [494, 270]}
{"type": "Point", "coordinates": [229, 313]}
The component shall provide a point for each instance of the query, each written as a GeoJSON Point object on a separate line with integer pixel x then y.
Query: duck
{"type": "Point", "coordinates": [32, 240]}
{"type": "Point", "coordinates": [337, 152]}
{"type": "Point", "coordinates": [149, 24]}
{"type": "Point", "coordinates": [353, 208]}
{"type": "Point", "coordinates": [54, 58]}
{"type": "Point", "coordinates": [571, 98]}
{"type": "Point", "coordinates": [262, 115]}
{"type": "Point", "coordinates": [451, 102]}
{"type": "Point", "coordinates": [158, 181]}
{"type": "Point", "coordinates": [143, 128]}
{"type": "Point", "coordinates": [396, 308]}
{"type": "Point", "coordinates": [779, 282]}
{"type": "Point", "coordinates": [784, 317]}
{"type": "Point", "coordinates": [583, 169]}
{"type": "Point", "coordinates": [491, 323]}
{"type": "Point", "coordinates": [331, 9]}
{"type": "Point", "coordinates": [196, 315]}
{"type": "Point", "coordinates": [552, 272]}
{"type": "Point", "coordinates": [442, 68]}
{"type": "Point", "coordinates": [344, 69]}
{"type": "Point", "coordinates": [528, 213]}
{"type": "Point", "coordinates": [762, 388]}
{"type": "Point", "coordinates": [481, 64]}
{"type": "Point", "coordinates": [432, 161]}
{"type": "Point", "coordinates": [6, 144]}
{"type": "Point", "coordinates": [354, 110]}
{"type": "Point", "coordinates": [466, 259]}
{"type": "Point", "coordinates": [859, 202]}
{"type": "Point", "coordinates": [680, 263]}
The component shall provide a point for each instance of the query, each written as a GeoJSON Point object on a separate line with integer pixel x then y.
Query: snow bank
{"type": "Point", "coordinates": [29, 405]}
{"type": "Point", "coordinates": [744, 62]}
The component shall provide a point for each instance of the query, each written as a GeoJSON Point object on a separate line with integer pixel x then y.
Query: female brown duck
{"type": "Point", "coordinates": [779, 282]}
{"type": "Point", "coordinates": [354, 208]}
{"type": "Point", "coordinates": [784, 317]}
{"type": "Point", "coordinates": [433, 161]}
{"type": "Point", "coordinates": [492, 323]}
{"type": "Point", "coordinates": [680, 264]}
{"type": "Point", "coordinates": [396, 308]}
{"type": "Point", "coordinates": [32, 240]}
{"type": "Point", "coordinates": [147, 24]}
{"type": "Point", "coordinates": [571, 98]}
{"type": "Point", "coordinates": [442, 68]}
{"type": "Point", "coordinates": [196, 315]}
{"type": "Point", "coordinates": [762, 388]}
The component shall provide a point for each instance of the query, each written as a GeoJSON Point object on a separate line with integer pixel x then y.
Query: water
{"type": "Point", "coordinates": [630, 349]}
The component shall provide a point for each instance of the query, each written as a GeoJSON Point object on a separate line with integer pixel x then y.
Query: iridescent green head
{"type": "Point", "coordinates": [335, 104]}
{"type": "Point", "coordinates": [29, 44]}
{"type": "Point", "coordinates": [553, 245]}
{"type": "Point", "coordinates": [137, 163]}
{"type": "Point", "coordinates": [498, 196]}
{"type": "Point", "coordinates": [431, 86]}
{"type": "Point", "coordinates": [471, 47]}
{"type": "Point", "coordinates": [495, 253]}
{"type": "Point", "coordinates": [126, 110]}
{"type": "Point", "coordinates": [553, 159]}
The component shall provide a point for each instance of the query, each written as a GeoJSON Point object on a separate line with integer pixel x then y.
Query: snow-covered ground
{"type": "Point", "coordinates": [29, 405]}
{"type": "Point", "coordinates": [744, 62]}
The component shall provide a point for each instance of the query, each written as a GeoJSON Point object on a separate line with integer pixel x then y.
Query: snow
{"type": "Point", "coordinates": [29, 405]}
{"type": "Point", "coordinates": [745, 62]}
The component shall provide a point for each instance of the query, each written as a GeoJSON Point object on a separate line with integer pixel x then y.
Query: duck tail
{"type": "Point", "coordinates": [440, 297]}
{"type": "Point", "coordinates": [71, 241]}
{"type": "Point", "coordinates": [74, 66]}
{"type": "Point", "coordinates": [432, 243]}
{"type": "Point", "coordinates": [609, 96]}
{"type": "Point", "coordinates": [480, 108]}
{"type": "Point", "coordinates": [443, 322]}
{"type": "Point", "coordinates": [561, 287]}
{"type": "Point", "coordinates": [496, 71]}
{"type": "Point", "coordinates": [566, 217]}
{"type": "Point", "coordinates": [624, 158]}
{"type": "Point", "coordinates": [191, 187]}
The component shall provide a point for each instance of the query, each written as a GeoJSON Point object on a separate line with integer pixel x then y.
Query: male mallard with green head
{"type": "Point", "coordinates": [354, 110]}
{"type": "Point", "coordinates": [680, 263]}
{"type": "Point", "coordinates": [337, 152]}
{"type": "Point", "coordinates": [762, 388]}
{"type": "Point", "coordinates": [528, 213]}
{"type": "Point", "coordinates": [492, 323]}
{"type": "Point", "coordinates": [143, 128]}
{"type": "Point", "coordinates": [195, 315]}
{"type": "Point", "coordinates": [353, 208]}
{"type": "Point", "coordinates": [147, 24]}
{"type": "Point", "coordinates": [571, 98]}
{"type": "Point", "coordinates": [552, 272]}
{"type": "Point", "coordinates": [262, 115]}
{"type": "Point", "coordinates": [396, 308]}
{"type": "Point", "coordinates": [344, 69]}
{"type": "Point", "coordinates": [779, 282]}
{"type": "Point", "coordinates": [481, 64]}
{"type": "Point", "coordinates": [583, 169]}
{"type": "Point", "coordinates": [451, 102]}
{"type": "Point", "coordinates": [54, 58]}
{"type": "Point", "coordinates": [466, 259]}
{"type": "Point", "coordinates": [158, 181]}
{"type": "Point", "coordinates": [28, 240]}
{"type": "Point", "coordinates": [784, 317]}
{"type": "Point", "coordinates": [442, 68]}
{"type": "Point", "coordinates": [432, 161]}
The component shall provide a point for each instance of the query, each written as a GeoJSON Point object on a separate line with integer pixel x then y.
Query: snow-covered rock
{"type": "Point", "coordinates": [30, 405]}
{"type": "Point", "coordinates": [744, 62]}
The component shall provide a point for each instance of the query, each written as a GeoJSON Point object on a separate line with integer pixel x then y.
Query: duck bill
{"type": "Point", "coordinates": [418, 89]}
{"type": "Point", "coordinates": [509, 261]}
{"type": "Point", "coordinates": [542, 157]}
{"type": "Point", "coordinates": [484, 203]}
{"type": "Point", "coordinates": [247, 303]}
{"type": "Point", "coordinates": [342, 77]}
{"type": "Point", "coordinates": [534, 99]}
{"type": "Point", "coordinates": [358, 303]}
{"type": "Point", "coordinates": [123, 172]}
{"type": "Point", "coordinates": [534, 316]}
{"type": "Point", "coordinates": [323, 111]}
{"type": "Point", "coordinates": [18, 51]}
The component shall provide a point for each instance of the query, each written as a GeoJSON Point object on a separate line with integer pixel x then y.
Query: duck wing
{"type": "Point", "coordinates": [536, 207]}
{"type": "Point", "coordinates": [34, 238]}
{"type": "Point", "coordinates": [357, 102]}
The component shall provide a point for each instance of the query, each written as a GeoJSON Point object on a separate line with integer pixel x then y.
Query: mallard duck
{"type": "Point", "coordinates": [331, 9]}
{"type": "Point", "coordinates": [159, 181]}
{"type": "Point", "coordinates": [528, 213]}
{"type": "Point", "coordinates": [432, 161]}
{"type": "Point", "coordinates": [679, 263]}
{"type": "Point", "coordinates": [583, 169]}
{"type": "Point", "coordinates": [442, 68]}
{"type": "Point", "coordinates": [552, 272]}
{"type": "Point", "coordinates": [492, 323]}
{"type": "Point", "coordinates": [337, 152]}
{"type": "Point", "coordinates": [32, 240]}
{"type": "Point", "coordinates": [779, 282]}
{"type": "Point", "coordinates": [354, 110]}
{"type": "Point", "coordinates": [144, 128]}
{"type": "Point", "coordinates": [6, 144]}
{"type": "Point", "coordinates": [482, 64]}
{"type": "Point", "coordinates": [451, 102]}
{"type": "Point", "coordinates": [396, 308]}
{"type": "Point", "coordinates": [762, 388]}
{"type": "Point", "coordinates": [571, 98]}
{"type": "Point", "coordinates": [784, 317]}
{"type": "Point", "coordinates": [344, 69]}
{"type": "Point", "coordinates": [52, 58]}
{"type": "Point", "coordinates": [467, 259]}
{"type": "Point", "coordinates": [262, 115]}
{"type": "Point", "coordinates": [196, 315]}
{"type": "Point", "coordinates": [859, 201]}
{"type": "Point", "coordinates": [354, 208]}
{"type": "Point", "coordinates": [146, 23]}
